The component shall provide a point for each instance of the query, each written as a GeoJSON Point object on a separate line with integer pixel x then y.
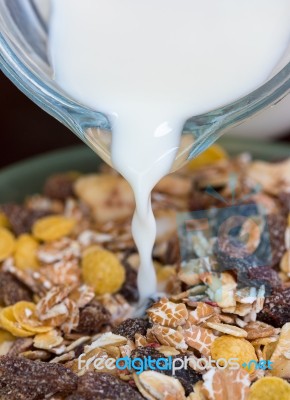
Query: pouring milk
{"type": "Point", "coordinates": [152, 64]}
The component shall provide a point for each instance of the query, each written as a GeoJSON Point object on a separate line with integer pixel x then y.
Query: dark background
{"type": "Point", "coordinates": [26, 130]}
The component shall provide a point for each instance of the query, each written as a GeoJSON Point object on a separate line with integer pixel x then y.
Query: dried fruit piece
{"type": "Point", "coordinates": [25, 256]}
{"type": "Point", "coordinates": [102, 270]}
{"type": "Point", "coordinates": [103, 386]}
{"type": "Point", "coordinates": [167, 313]}
{"type": "Point", "coordinates": [226, 384]}
{"type": "Point", "coordinates": [11, 290]}
{"type": "Point", "coordinates": [154, 385]}
{"type": "Point", "coordinates": [8, 322]}
{"type": "Point", "coordinates": [276, 310]}
{"type": "Point", "coordinates": [131, 326]}
{"type": "Point", "coordinates": [92, 318]}
{"type": "Point", "coordinates": [53, 228]}
{"type": "Point", "coordinates": [129, 289]}
{"type": "Point", "coordinates": [271, 389]}
{"type": "Point", "coordinates": [7, 243]}
{"type": "Point", "coordinates": [199, 338]}
{"type": "Point", "coordinates": [285, 262]}
{"type": "Point", "coordinates": [22, 379]}
{"type": "Point", "coordinates": [231, 347]}
{"type": "Point", "coordinates": [186, 376]}
{"type": "Point", "coordinates": [21, 218]}
{"type": "Point", "coordinates": [277, 225]}
{"type": "Point", "coordinates": [60, 186]}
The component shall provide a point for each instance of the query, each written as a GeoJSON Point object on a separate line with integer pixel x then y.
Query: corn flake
{"type": "Point", "coordinates": [7, 244]}
{"type": "Point", "coordinates": [25, 256]}
{"type": "Point", "coordinates": [271, 389]}
{"type": "Point", "coordinates": [232, 347]}
{"type": "Point", "coordinates": [53, 228]}
{"type": "Point", "coordinates": [102, 270]}
{"type": "Point", "coordinates": [25, 314]}
{"type": "Point", "coordinates": [8, 322]}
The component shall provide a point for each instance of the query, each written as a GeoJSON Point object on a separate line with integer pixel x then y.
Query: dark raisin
{"type": "Point", "coordinates": [172, 254]}
{"type": "Point", "coordinates": [102, 386]}
{"type": "Point", "coordinates": [284, 198]}
{"type": "Point", "coordinates": [59, 186]}
{"type": "Point", "coordinates": [21, 218]}
{"type": "Point", "coordinates": [145, 352]}
{"type": "Point", "coordinates": [12, 291]}
{"type": "Point", "coordinates": [186, 376]}
{"type": "Point", "coordinates": [258, 276]}
{"type": "Point", "coordinates": [131, 326]}
{"type": "Point", "coordinates": [277, 225]}
{"type": "Point", "coordinates": [93, 317]}
{"type": "Point", "coordinates": [22, 379]}
{"type": "Point", "coordinates": [276, 309]}
{"type": "Point", "coordinates": [129, 289]}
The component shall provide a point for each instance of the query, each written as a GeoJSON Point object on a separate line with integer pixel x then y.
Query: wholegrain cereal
{"type": "Point", "coordinates": [68, 290]}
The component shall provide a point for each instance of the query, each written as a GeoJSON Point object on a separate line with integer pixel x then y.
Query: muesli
{"type": "Point", "coordinates": [68, 291]}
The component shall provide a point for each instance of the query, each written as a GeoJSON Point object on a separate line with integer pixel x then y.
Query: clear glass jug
{"type": "Point", "coordinates": [23, 41]}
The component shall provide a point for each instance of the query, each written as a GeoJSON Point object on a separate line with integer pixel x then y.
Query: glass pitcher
{"type": "Point", "coordinates": [23, 41]}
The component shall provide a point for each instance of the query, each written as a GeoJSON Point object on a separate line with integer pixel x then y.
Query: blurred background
{"type": "Point", "coordinates": [26, 130]}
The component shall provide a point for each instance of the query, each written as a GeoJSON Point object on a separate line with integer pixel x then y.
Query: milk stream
{"type": "Point", "coordinates": [152, 64]}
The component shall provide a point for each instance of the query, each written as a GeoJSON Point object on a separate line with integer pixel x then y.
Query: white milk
{"type": "Point", "coordinates": [150, 65]}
